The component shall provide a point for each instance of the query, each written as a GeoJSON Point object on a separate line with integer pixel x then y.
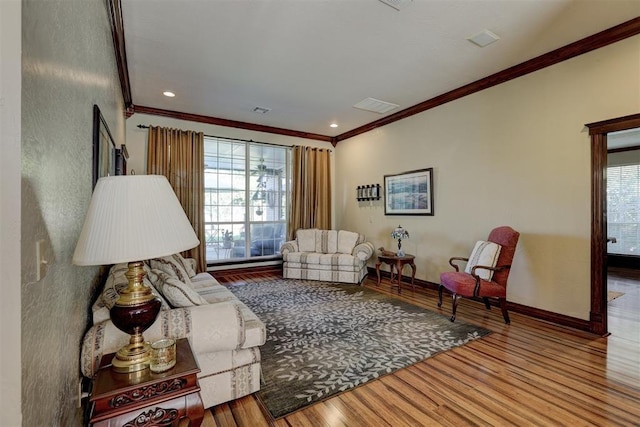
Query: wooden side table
{"type": "Point", "coordinates": [145, 398]}
{"type": "Point", "coordinates": [397, 263]}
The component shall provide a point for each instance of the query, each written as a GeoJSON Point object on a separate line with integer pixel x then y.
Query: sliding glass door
{"type": "Point", "coordinates": [246, 199]}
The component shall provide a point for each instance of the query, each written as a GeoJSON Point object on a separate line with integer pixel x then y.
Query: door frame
{"type": "Point", "coordinates": [598, 132]}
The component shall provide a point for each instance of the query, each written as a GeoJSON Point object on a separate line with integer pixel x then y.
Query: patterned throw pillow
{"type": "Point", "coordinates": [188, 265]}
{"type": "Point", "coordinates": [486, 254]}
{"type": "Point", "coordinates": [172, 267]}
{"type": "Point", "coordinates": [176, 292]}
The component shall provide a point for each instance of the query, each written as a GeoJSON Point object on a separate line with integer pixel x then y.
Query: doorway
{"type": "Point", "coordinates": [598, 316]}
{"type": "Point", "coordinates": [623, 233]}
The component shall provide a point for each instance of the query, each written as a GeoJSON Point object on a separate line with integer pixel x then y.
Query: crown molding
{"type": "Point", "coordinates": [229, 123]}
{"type": "Point", "coordinates": [604, 38]}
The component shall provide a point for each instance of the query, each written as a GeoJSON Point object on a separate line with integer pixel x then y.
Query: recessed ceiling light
{"type": "Point", "coordinates": [333, 125]}
{"type": "Point", "coordinates": [483, 38]}
{"type": "Point", "coordinates": [169, 94]}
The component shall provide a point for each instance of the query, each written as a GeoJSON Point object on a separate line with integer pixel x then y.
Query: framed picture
{"type": "Point", "coordinates": [409, 193]}
{"type": "Point", "coordinates": [104, 148]}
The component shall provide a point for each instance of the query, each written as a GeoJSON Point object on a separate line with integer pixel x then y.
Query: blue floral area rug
{"type": "Point", "coordinates": [326, 338]}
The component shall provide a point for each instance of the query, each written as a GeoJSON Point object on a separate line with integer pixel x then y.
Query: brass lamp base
{"type": "Point", "coordinates": [134, 312]}
{"type": "Point", "coordinates": [132, 358]}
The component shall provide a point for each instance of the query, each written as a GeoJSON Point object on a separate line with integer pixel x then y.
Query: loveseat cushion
{"type": "Point", "coordinates": [203, 280]}
{"type": "Point", "coordinates": [347, 240]}
{"type": "Point", "coordinates": [254, 332]}
{"type": "Point", "coordinates": [326, 241]}
{"type": "Point", "coordinates": [323, 267]}
{"type": "Point", "coordinates": [314, 258]}
{"type": "Point", "coordinates": [307, 240]}
{"type": "Point", "coordinates": [210, 328]}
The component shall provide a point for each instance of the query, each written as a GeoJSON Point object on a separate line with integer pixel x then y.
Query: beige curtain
{"type": "Point", "coordinates": [179, 155]}
{"type": "Point", "coordinates": [311, 189]}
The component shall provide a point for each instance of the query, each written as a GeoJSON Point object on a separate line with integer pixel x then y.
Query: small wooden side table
{"type": "Point", "coordinates": [397, 262]}
{"type": "Point", "coordinates": [145, 398]}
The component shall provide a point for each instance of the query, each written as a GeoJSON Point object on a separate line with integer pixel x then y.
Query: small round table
{"type": "Point", "coordinates": [397, 262]}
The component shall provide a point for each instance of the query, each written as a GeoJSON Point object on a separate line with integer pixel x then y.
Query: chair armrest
{"type": "Point", "coordinates": [451, 260]}
{"type": "Point", "coordinates": [486, 267]}
{"type": "Point", "coordinates": [363, 251]}
{"type": "Point", "coordinates": [210, 328]}
{"type": "Point", "coordinates": [290, 246]}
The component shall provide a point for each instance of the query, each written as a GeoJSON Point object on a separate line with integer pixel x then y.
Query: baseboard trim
{"type": "Point", "coordinates": [537, 313]}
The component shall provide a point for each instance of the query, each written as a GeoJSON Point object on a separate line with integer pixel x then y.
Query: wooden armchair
{"type": "Point", "coordinates": [483, 281]}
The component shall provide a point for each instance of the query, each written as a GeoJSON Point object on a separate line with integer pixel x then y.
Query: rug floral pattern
{"type": "Point", "coordinates": [325, 338]}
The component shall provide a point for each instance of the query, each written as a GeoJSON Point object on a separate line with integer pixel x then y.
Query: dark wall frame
{"type": "Point", "coordinates": [598, 132]}
{"type": "Point", "coordinates": [104, 147]}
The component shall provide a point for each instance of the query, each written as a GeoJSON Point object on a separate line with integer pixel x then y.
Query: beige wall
{"type": "Point", "coordinates": [68, 64]}
{"type": "Point", "coordinates": [516, 154]}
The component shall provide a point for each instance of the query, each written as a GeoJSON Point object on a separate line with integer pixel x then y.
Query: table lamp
{"type": "Point", "coordinates": [132, 218]}
{"type": "Point", "coordinates": [400, 233]}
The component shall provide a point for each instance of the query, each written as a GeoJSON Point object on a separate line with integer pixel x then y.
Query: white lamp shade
{"type": "Point", "coordinates": [133, 218]}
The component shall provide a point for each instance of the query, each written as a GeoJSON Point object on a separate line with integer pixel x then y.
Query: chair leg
{"type": "Point", "coordinates": [503, 307]}
{"type": "Point", "coordinates": [486, 303]}
{"type": "Point", "coordinates": [440, 288]}
{"type": "Point", "coordinates": [455, 299]}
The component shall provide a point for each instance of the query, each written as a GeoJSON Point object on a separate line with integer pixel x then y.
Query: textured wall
{"type": "Point", "coordinates": [68, 65]}
{"type": "Point", "coordinates": [10, 83]}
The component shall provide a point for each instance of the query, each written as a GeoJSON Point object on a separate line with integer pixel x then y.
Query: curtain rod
{"type": "Point", "coordinates": [238, 139]}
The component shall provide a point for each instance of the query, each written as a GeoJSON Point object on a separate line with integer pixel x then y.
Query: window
{"type": "Point", "coordinates": [623, 209]}
{"type": "Point", "coordinates": [245, 198]}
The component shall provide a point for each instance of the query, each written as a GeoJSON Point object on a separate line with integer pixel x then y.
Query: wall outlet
{"type": "Point", "coordinates": [82, 394]}
{"type": "Point", "coordinates": [42, 259]}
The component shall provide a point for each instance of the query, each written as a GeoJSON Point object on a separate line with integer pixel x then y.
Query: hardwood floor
{"type": "Point", "coordinates": [624, 311]}
{"type": "Point", "coordinates": [527, 373]}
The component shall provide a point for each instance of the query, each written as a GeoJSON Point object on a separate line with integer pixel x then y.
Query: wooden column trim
{"type": "Point", "coordinates": [598, 132]}
{"type": "Point", "coordinates": [598, 313]}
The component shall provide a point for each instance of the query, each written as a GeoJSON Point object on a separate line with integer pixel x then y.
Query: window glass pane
{"type": "Point", "coordinates": [245, 199]}
{"type": "Point", "coordinates": [623, 209]}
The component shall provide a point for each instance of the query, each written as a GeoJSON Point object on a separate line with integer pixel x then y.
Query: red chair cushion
{"type": "Point", "coordinates": [463, 284]}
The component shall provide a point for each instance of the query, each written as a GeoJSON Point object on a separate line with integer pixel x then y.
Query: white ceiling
{"type": "Point", "coordinates": [310, 61]}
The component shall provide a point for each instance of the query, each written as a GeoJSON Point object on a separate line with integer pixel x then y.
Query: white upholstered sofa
{"type": "Point", "coordinates": [331, 255]}
{"type": "Point", "coordinates": [224, 334]}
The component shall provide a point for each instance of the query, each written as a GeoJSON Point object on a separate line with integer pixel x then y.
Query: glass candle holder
{"type": "Point", "coordinates": [163, 355]}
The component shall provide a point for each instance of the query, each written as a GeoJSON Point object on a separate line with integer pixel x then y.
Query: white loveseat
{"type": "Point", "coordinates": [224, 334]}
{"type": "Point", "coordinates": [331, 255]}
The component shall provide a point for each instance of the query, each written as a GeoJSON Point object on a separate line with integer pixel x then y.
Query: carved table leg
{"type": "Point", "coordinates": [195, 409]}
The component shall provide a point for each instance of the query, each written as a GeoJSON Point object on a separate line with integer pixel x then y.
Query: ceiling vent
{"type": "Point", "coordinates": [397, 4]}
{"type": "Point", "coordinates": [375, 106]}
{"type": "Point", "coordinates": [261, 110]}
{"type": "Point", "coordinates": [483, 38]}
